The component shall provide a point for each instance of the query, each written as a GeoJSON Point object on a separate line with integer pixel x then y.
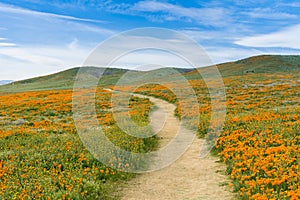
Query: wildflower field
{"type": "Point", "coordinates": [42, 156]}
{"type": "Point", "coordinates": [260, 141]}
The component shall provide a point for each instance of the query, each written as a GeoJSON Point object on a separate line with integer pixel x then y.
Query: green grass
{"type": "Point", "coordinates": [256, 65]}
{"type": "Point", "coordinates": [65, 79]}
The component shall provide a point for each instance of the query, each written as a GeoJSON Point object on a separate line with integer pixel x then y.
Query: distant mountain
{"type": "Point", "coordinates": [65, 79]}
{"type": "Point", "coordinates": [4, 82]}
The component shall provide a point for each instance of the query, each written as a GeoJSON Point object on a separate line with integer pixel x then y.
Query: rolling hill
{"type": "Point", "coordinates": [65, 79]}
{"type": "Point", "coordinates": [261, 64]}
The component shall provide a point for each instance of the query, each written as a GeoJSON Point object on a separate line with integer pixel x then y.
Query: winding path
{"type": "Point", "coordinates": [188, 178]}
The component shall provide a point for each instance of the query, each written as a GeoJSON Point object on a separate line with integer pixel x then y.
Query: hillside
{"type": "Point", "coordinates": [50, 148]}
{"type": "Point", "coordinates": [261, 64]}
{"type": "Point", "coordinates": [65, 79]}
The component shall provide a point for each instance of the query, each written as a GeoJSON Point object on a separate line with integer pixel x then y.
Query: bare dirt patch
{"type": "Point", "coordinates": [190, 177]}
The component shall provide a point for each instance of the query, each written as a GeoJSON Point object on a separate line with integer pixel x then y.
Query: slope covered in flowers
{"type": "Point", "coordinates": [42, 156]}
{"type": "Point", "coordinates": [260, 141]}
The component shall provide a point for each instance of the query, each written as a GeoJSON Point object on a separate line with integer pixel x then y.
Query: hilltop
{"type": "Point", "coordinates": [65, 79]}
{"type": "Point", "coordinates": [261, 64]}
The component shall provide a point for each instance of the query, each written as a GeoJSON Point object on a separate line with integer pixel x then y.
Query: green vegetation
{"type": "Point", "coordinates": [65, 79]}
{"type": "Point", "coordinates": [42, 156]}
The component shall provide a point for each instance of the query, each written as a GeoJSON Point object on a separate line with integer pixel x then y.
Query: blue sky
{"type": "Point", "coordinates": [40, 37]}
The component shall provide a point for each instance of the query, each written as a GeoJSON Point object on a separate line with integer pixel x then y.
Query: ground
{"type": "Point", "coordinates": [190, 177]}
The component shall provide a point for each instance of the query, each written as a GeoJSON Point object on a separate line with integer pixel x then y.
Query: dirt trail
{"type": "Point", "coordinates": [188, 178]}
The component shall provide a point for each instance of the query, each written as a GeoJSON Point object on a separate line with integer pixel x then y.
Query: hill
{"type": "Point", "coordinates": [65, 79]}
{"type": "Point", "coordinates": [261, 64]}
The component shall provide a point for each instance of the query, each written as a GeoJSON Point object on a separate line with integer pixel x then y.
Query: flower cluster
{"type": "Point", "coordinates": [42, 157]}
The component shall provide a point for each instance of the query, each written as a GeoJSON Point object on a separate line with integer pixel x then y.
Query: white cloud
{"type": "Point", "coordinates": [28, 56]}
{"type": "Point", "coordinates": [24, 62]}
{"type": "Point", "coordinates": [285, 38]}
{"type": "Point", "coordinates": [44, 43]}
{"type": "Point", "coordinates": [29, 26]}
{"type": "Point", "coordinates": [268, 13]}
{"type": "Point", "coordinates": [7, 44]}
{"type": "Point", "coordinates": [199, 35]}
{"type": "Point", "coordinates": [17, 10]}
{"type": "Point", "coordinates": [74, 44]}
{"type": "Point", "coordinates": [149, 59]}
{"type": "Point", "coordinates": [162, 11]}
{"type": "Point", "coordinates": [89, 28]}
{"type": "Point", "coordinates": [210, 36]}
{"type": "Point", "coordinates": [291, 4]}
{"type": "Point", "coordinates": [223, 54]}
{"type": "Point", "coordinates": [149, 46]}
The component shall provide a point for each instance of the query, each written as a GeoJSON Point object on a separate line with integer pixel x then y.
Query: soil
{"type": "Point", "coordinates": [190, 177]}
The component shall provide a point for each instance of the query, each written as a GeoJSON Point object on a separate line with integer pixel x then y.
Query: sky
{"type": "Point", "coordinates": [40, 37]}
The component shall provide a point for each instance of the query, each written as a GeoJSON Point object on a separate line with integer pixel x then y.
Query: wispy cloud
{"type": "Point", "coordinates": [225, 54]}
{"type": "Point", "coordinates": [162, 11]}
{"type": "Point", "coordinates": [7, 44]}
{"type": "Point", "coordinates": [41, 43]}
{"type": "Point", "coordinates": [38, 27]}
{"type": "Point", "coordinates": [28, 56]}
{"type": "Point", "coordinates": [73, 44]}
{"type": "Point", "coordinates": [91, 28]}
{"type": "Point", "coordinates": [140, 49]}
{"type": "Point", "coordinates": [28, 61]}
{"type": "Point", "coordinates": [268, 13]}
{"type": "Point", "coordinates": [289, 4]}
{"type": "Point", "coordinates": [17, 10]}
{"type": "Point", "coordinates": [285, 38]}
{"type": "Point", "coordinates": [202, 35]}
{"type": "Point", "coordinates": [35, 42]}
